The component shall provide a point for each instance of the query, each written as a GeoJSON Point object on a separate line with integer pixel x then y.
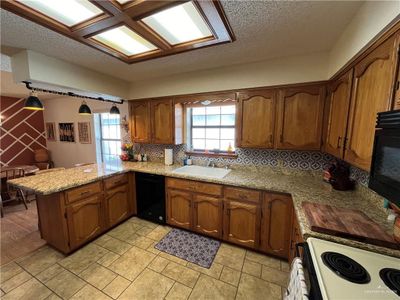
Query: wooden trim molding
{"type": "Point", "coordinates": [212, 154]}
{"type": "Point", "coordinates": [130, 14]}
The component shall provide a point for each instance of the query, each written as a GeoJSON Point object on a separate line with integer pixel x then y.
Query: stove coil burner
{"type": "Point", "coordinates": [391, 277]}
{"type": "Point", "coordinates": [345, 267]}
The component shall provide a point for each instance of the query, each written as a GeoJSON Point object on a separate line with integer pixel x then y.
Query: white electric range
{"type": "Point", "coordinates": [342, 272]}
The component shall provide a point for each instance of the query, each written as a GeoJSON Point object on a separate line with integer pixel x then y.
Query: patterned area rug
{"type": "Point", "coordinates": [189, 246]}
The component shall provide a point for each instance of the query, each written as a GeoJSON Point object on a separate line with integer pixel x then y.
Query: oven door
{"type": "Point", "coordinates": [385, 168]}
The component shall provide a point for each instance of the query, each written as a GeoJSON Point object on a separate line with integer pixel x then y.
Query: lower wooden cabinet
{"type": "Point", "coordinates": [70, 219]}
{"type": "Point", "coordinates": [242, 223]}
{"type": "Point", "coordinates": [296, 237]}
{"type": "Point", "coordinates": [207, 215]}
{"type": "Point", "coordinates": [117, 204]}
{"type": "Point", "coordinates": [277, 210]}
{"type": "Point", "coordinates": [85, 220]}
{"type": "Point", "coordinates": [179, 209]}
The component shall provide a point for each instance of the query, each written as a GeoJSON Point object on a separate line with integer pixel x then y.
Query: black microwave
{"type": "Point", "coordinates": [385, 167]}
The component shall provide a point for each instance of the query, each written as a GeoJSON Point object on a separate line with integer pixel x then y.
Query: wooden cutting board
{"type": "Point", "coordinates": [347, 223]}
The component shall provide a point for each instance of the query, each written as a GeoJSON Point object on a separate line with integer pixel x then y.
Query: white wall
{"type": "Point", "coordinates": [66, 110]}
{"type": "Point", "coordinates": [370, 19]}
{"type": "Point", "coordinates": [33, 66]}
{"type": "Point", "coordinates": [286, 70]}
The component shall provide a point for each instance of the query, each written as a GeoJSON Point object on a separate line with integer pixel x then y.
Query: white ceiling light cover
{"type": "Point", "coordinates": [68, 12]}
{"type": "Point", "coordinates": [179, 24]}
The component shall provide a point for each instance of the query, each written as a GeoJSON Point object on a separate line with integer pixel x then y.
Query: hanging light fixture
{"type": "Point", "coordinates": [84, 109]}
{"type": "Point", "coordinates": [114, 110]}
{"type": "Point", "coordinates": [33, 102]}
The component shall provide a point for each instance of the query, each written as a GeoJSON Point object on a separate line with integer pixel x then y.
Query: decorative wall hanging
{"type": "Point", "coordinates": [51, 131]}
{"type": "Point", "coordinates": [66, 132]}
{"type": "Point", "coordinates": [84, 133]}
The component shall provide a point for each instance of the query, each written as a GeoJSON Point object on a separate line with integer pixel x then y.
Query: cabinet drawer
{"type": "Point", "coordinates": [195, 186]}
{"type": "Point", "coordinates": [83, 192]}
{"type": "Point", "coordinates": [242, 194]}
{"type": "Point", "coordinates": [116, 180]}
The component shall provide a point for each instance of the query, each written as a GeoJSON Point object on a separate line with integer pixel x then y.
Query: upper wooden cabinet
{"type": "Point", "coordinates": [140, 121]}
{"type": "Point", "coordinates": [256, 119]}
{"type": "Point", "coordinates": [372, 93]}
{"type": "Point", "coordinates": [156, 122]}
{"type": "Point", "coordinates": [300, 116]}
{"type": "Point", "coordinates": [276, 222]}
{"type": "Point", "coordinates": [339, 101]}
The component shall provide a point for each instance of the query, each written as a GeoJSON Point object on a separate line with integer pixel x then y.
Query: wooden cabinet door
{"type": "Point", "coordinates": [207, 215]}
{"type": "Point", "coordinates": [117, 204]}
{"type": "Point", "coordinates": [85, 220]}
{"type": "Point", "coordinates": [256, 119]}
{"type": "Point", "coordinates": [300, 116]}
{"type": "Point", "coordinates": [162, 122]}
{"type": "Point", "coordinates": [295, 238]}
{"type": "Point", "coordinates": [276, 224]}
{"type": "Point", "coordinates": [339, 98]}
{"type": "Point", "coordinates": [242, 223]}
{"type": "Point", "coordinates": [140, 121]}
{"type": "Point", "coordinates": [179, 208]}
{"type": "Point", "coordinates": [372, 93]}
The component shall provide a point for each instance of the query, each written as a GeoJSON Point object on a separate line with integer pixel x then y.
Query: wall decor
{"type": "Point", "coordinates": [84, 133]}
{"type": "Point", "coordinates": [22, 132]}
{"type": "Point", "coordinates": [51, 131]}
{"type": "Point", "coordinates": [66, 132]}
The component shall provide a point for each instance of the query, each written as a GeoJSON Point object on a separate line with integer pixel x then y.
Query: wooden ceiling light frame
{"type": "Point", "coordinates": [130, 14]}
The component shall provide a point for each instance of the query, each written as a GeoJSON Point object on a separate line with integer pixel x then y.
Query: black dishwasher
{"type": "Point", "coordinates": [150, 197]}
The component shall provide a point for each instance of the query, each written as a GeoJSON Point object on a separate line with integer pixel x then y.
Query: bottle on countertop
{"type": "Point", "coordinates": [189, 161]}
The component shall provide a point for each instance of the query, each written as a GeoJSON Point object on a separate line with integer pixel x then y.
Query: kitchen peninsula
{"type": "Point", "coordinates": [78, 204]}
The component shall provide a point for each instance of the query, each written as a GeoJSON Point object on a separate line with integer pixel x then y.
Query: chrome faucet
{"type": "Point", "coordinates": [210, 164]}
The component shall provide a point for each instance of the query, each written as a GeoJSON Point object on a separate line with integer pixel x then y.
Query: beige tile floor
{"type": "Point", "coordinates": [123, 264]}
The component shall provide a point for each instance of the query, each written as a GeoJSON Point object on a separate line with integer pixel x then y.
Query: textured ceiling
{"type": "Point", "coordinates": [263, 29]}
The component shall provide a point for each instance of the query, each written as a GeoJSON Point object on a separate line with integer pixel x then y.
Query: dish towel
{"type": "Point", "coordinates": [297, 288]}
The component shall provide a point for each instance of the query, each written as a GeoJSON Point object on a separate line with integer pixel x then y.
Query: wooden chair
{"type": "Point", "coordinates": [9, 193]}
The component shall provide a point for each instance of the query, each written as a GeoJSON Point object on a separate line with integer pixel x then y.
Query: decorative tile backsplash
{"type": "Point", "coordinates": [301, 160]}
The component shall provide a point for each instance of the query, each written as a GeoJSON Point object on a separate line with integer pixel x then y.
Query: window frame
{"type": "Point", "coordinates": [101, 139]}
{"type": "Point", "coordinates": [191, 127]}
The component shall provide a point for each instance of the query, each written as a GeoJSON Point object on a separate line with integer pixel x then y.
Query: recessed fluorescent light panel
{"type": "Point", "coordinates": [68, 12]}
{"type": "Point", "coordinates": [179, 24]}
{"type": "Point", "coordinates": [123, 1]}
{"type": "Point", "coordinates": [125, 41]}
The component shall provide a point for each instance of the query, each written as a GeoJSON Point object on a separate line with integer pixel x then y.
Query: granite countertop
{"type": "Point", "coordinates": [302, 185]}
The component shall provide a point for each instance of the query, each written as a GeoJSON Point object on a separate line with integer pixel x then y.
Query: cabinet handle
{"type": "Point", "coordinates": [85, 193]}
{"type": "Point", "coordinates": [243, 196]}
{"type": "Point", "coordinates": [281, 138]}
{"type": "Point", "coordinates": [345, 143]}
{"type": "Point", "coordinates": [338, 142]}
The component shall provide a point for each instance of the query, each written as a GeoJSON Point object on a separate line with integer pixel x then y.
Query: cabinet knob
{"type": "Point", "coordinates": [338, 142]}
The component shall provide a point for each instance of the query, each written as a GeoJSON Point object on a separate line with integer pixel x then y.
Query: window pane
{"type": "Point", "coordinates": [213, 120]}
{"type": "Point", "coordinates": [227, 120]}
{"type": "Point", "coordinates": [228, 133]}
{"type": "Point", "coordinates": [199, 144]}
{"type": "Point", "coordinates": [199, 133]}
{"type": "Point", "coordinates": [213, 110]}
{"type": "Point", "coordinates": [212, 144]}
{"type": "Point", "coordinates": [228, 109]}
{"type": "Point", "coordinates": [225, 144]}
{"type": "Point", "coordinates": [199, 120]}
{"type": "Point", "coordinates": [212, 133]}
{"type": "Point", "coordinates": [106, 132]}
{"type": "Point", "coordinates": [198, 111]}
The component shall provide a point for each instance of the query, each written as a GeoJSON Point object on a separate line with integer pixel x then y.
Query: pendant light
{"type": "Point", "coordinates": [33, 102]}
{"type": "Point", "coordinates": [114, 110]}
{"type": "Point", "coordinates": [84, 109]}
